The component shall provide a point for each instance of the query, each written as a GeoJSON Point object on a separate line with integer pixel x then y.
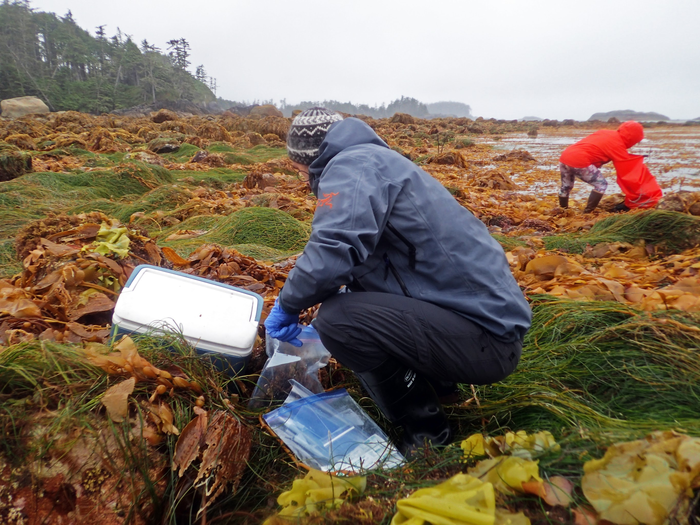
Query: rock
{"type": "Point", "coordinates": [260, 180]}
{"type": "Point", "coordinates": [164, 145]}
{"type": "Point", "coordinates": [20, 106]}
{"type": "Point", "coordinates": [495, 180]}
{"type": "Point", "coordinates": [145, 156]}
{"type": "Point", "coordinates": [450, 158]}
{"type": "Point", "coordinates": [255, 138]}
{"type": "Point", "coordinates": [672, 203]}
{"type": "Point", "coordinates": [13, 162]}
{"type": "Point", "coordinates": [532, 132]}
{"type": "Point", "coordinates": [237, 111]}
{"type": "Point", "coordinates": [694, 209]}
{"type": "Point", "coordinates": [273, 140]}
{"type": "Point", "coordinates": [403, 118]}
{"type": "Point", "coordinates": [267, 110]}
{"type": "Point", "coordinates": [164, 115]}
{"type": "Point", "coordinates": [210, 159]}
{"type": "Point", "coordinates": [519, 154]}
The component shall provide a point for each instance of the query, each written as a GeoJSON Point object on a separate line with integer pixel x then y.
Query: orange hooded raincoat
{"type": "Point", "coordinates": [633, 176]}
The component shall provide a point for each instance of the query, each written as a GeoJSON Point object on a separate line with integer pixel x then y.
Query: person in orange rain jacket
{"type": "Point", "coordinates": [584, 158]}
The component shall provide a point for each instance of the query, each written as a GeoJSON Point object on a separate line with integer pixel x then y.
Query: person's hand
{"type": "Point", "coordinates": [283, 326]}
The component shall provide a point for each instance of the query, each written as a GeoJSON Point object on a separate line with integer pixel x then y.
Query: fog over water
{"type": "Point", "coordinates": [506, 58]}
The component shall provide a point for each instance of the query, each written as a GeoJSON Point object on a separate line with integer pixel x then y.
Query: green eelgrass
{"type": "Point", "coordinates": [50, 397]}
{"type": "Point", "coordinates": [116, 192]}
{"type": "Point", "coordinates": [218, 178]}
{"type": "Point", "coordinates": [599, 367]}
{"type": "Point", "coordinates": [184, 153]}
{"type": "Point", "coordinates": [262, 226]}
{"type": "Point", "coordinates": [508, 243]}
{"type": "Point", "coordinates": [592, 373]}
{"type": "Point", "coordinates": [36, 195]}
{"type": "Point", "coordinates": [229, 230]}
{"type": "Point", "coordinates": [264, 233]}
{"type": "Point", "coordinates": [166, 197]}
{"type": "Point", "coordinates": [9, 263]}
{"type": "Point", "coordinates": [669, 230]}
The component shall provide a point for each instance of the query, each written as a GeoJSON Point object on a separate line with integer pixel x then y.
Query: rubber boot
{"type": "Point", "coordinates": [407, 400]}
{"type": "Point", "coordinates": [447, 391]}
{"type": "Point", "coordinates": [593, 200]}
{"type": "Point", "coordinates": [620, 207]}
{"type": "Point", "coordinates": [563, 202]}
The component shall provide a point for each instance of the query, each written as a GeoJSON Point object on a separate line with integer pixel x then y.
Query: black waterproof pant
{"type": "Point", "coordinates": [364, 329]}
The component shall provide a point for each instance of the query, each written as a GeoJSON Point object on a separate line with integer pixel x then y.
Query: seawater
{"type": "Point", "coordinates": [673, 157]}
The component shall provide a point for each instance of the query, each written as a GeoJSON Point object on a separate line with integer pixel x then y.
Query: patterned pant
{"type": "Point", "coordinates": [591, 175]}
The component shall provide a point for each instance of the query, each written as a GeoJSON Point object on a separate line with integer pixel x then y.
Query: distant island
{"type": "Point", "coordinates": [408, 105]}
{"type": "Point", "coordinates": [449, 109]}
{"type": "Point", "coordinates": [628, 114]}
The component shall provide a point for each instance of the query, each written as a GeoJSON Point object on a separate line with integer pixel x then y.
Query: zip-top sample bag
{"type": "Point", "coordinates": [287, 362]}
{"type": "Point", "coordinates": [331, 432]}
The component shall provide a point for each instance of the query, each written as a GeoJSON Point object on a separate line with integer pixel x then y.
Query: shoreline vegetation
{"type": "Point", "coordinates": [127, 431]}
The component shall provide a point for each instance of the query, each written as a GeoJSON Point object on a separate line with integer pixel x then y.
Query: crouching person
{"type": "Point", "coordinates": [584, 159]}
{"type": "Point", "coordinates": [431, 299]}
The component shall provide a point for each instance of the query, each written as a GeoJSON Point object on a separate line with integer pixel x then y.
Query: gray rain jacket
{"type": "Point", "coordinates": [384, 225]}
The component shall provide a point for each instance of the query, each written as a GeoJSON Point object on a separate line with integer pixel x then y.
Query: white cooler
{"type": "Point", "coordinates": [219, 320]}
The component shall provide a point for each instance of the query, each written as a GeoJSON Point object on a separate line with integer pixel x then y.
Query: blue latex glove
{"type": "Point", "coordinates": [283, 326]}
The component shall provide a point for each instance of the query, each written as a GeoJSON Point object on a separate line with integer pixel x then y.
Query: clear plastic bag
{"type": "Point", "coordinates": [286, 362]}
{"type": "Point", "coordinates": [331, 432]}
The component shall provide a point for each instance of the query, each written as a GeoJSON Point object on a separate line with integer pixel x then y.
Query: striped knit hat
{"type": "Point", "coordinates": [308, 130]}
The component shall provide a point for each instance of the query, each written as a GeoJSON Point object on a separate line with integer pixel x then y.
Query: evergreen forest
{"type": "Point", "coordinates": [51, 57]}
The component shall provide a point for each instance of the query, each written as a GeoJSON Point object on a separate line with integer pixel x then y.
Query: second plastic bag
{"type": "Point", "coordinates": [287, 362]}
{"type": "Point", "coordinates": [331, 432]}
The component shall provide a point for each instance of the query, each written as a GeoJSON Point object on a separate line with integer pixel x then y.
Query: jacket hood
{"type": "Point", "coordinates": [631, 132]}
{"type": "Point", "coordinates": [341, 135]}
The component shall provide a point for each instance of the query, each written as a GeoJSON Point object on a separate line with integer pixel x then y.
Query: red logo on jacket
{"type": "Point", "coordinates": [326, 200]}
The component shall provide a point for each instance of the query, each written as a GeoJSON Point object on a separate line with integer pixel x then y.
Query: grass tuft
{"type": "Point", "coordinates": [670, 231]}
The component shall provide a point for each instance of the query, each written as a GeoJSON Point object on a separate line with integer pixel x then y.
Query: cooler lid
{"type": "Point", "coordinates": [213, 316]}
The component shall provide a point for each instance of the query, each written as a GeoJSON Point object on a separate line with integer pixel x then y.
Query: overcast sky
{"type": "Point", "coordinates": [507, 59]}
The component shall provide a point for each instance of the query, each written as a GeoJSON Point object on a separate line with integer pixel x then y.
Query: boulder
{"type": "Point", "coordinates": [518, 154]}
{"type": "Point", "coordinates": [215, 160]}
{"type": "Point", "coordinates": [164, 115]}
{"type": "Point", "coordinates": [145, 156]}
{"type": "Point", "coordinates": [403, 118]}
{"type": "Point", "coordinates": [164, 145]}
{"type": "Point", "coordinates": [452, 158]}
{"type": "Point", "coordinates": [13, 162]}
{"type": "Point", "coordinates": [20, 106]}
{"type": "Point", "coordinates": [267, 110]}
{"type": "Point", "coordinates": [255, 138]}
